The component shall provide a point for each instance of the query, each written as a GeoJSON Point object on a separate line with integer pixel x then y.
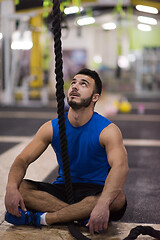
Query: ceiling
{"type": "Point", "coordinates": [101, 9]}
{"type": "Point", "coordinates": [31, 4]}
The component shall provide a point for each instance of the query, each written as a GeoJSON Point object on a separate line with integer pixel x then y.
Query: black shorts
{"type": "Point", "coordinates": [80, 191]}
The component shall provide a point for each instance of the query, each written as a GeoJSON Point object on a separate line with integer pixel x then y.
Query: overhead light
{"type": "Point", "coordinates": [21, 45]}
{"type": "Point", "coordinates": [1, 35]}
{"type": "Point", "coordinates": [147, 9]}
{"type": "Point", "coordinates": [97, 59]}
{"type": "Point", "coordinates": [85, 21]}
{"type": "Point", "coordinates": [109, 26]}
{"type": "Point", "coordinates": [147, 20]}
{"type": "Point", "coordinates": [123, 62]}
{"type": "Point", "coordinates": [144, 27]}
{"type": "Point", "coordinates": [72, 10]}
{"type": "Point", "coordinates": [23, 42]}
{"type": "Point", "coordinates": [131, 57]}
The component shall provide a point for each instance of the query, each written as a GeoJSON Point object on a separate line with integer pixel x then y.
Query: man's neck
{"type": "Point", "coordinates": [79, 117]}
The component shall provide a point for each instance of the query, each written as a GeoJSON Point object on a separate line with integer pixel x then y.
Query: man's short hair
{"type": "Point", "coordinates": [95, 76]}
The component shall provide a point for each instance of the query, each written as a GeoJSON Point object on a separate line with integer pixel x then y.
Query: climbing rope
{"type": "Point", "coordinates": [144, 230]}
{"type": "Point", "coordinates": [56, 30]}
{"type": "Point", "coordinates": [56, 27]}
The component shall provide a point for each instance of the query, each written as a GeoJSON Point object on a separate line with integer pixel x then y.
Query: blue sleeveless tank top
{"type": "Point", "coordinates": [88, 159]}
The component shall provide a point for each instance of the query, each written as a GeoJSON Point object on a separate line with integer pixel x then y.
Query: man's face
{"type": "Point", "coordinates": [81, 91]}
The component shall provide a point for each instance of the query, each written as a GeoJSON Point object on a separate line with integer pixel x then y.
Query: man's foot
{"type": "Point", "coordinates": [27, 218]}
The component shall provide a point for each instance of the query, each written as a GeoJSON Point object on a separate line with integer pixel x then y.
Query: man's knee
{"type": "Point", "coordinates": [116, 215]}
{"type": "Point", "coordinates": [26, 186]}
{"type": "Point", "coordinates": [118, 207]}
{"type": "Point", "coordinates": [119, 202]}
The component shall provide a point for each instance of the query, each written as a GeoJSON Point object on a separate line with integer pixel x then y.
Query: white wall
{"type": "Point", "coordinates": [95, 40]}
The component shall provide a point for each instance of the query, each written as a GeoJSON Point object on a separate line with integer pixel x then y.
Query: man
{"type": "Point", "coordinates": [98, 165]}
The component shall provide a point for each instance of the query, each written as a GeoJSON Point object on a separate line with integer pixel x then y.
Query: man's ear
{"type": "Point", "coordinates": [95, 97]}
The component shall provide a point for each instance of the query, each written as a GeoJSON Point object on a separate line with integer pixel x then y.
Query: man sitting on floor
{"type": "Point", "coordinates": [98, 166]}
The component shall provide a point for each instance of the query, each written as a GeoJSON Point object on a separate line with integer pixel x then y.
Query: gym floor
{"type": "Point", "coordinates": [142, 140]}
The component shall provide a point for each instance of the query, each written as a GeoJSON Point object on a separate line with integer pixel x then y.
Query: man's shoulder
{"type": "Point", "coordinates": [112, 132]}
{"type": "Point", "coordinates": [45, 132]}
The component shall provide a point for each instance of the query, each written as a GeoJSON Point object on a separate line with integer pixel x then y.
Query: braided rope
{"type": "Point", "coordinates": [56, 30]}
{"type": "Point", "coordinates": [144, 230]}
{"type": "Point", "coordinates": [56, 27]}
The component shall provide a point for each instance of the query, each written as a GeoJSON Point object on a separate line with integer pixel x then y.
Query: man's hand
{"type": "Point", "coordinates": [99, 218]}
{"type": "Point", "coordinates": [13, 200]}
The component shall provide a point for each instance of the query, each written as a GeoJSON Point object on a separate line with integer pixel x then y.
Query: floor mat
{"type": "Point", "coordinates": [142, 188]}
{"type": "Point", "coordinates": [6, 146]}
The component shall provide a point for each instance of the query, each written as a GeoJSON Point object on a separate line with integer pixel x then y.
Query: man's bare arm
{"type": "Point", "coordinates": [111, 139]}
{"type": "Point", "coordinates": [18, 169]}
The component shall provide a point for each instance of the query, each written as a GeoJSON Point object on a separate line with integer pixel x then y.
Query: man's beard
{"type": "Point", "coordinates": [84, 103]}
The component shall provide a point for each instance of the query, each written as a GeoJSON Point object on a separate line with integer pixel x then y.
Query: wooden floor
{"type": "Point", "coordinates": [115, 231]}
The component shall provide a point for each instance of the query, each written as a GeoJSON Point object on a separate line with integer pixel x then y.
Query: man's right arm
{"type": "Point", "coordinates": [18, 169]}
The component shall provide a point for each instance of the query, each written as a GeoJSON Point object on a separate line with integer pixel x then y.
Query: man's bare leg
{"type": "Point", "coordinates": [39, 200]}
{"type": "Point", "coordinates": [76, 211]}
{"type": "Point", "coordinates": [81, 210]}
{"type": "Point", "coordinates": [59, 211]}
{"type": "Point", "coordinates": [44, 202]}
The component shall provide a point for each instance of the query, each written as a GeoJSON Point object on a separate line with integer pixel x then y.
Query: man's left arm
{"type": "Point", "coordinates": [111, 140]}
